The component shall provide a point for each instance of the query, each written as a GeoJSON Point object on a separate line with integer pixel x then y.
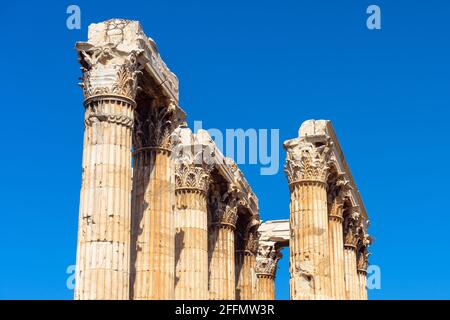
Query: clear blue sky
{"type": "Point", "coordinates": [262, 64]}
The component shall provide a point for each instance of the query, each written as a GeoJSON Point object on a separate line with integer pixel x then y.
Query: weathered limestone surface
{"type": "Point", "coordinates": [350, 242]}
{"type": "Point", "coordinates": [116, 61]}
{"type": "Point", "coordinates": [337, 191]}
{"type": "Point", "coordinates": [266, 267]}
{"type": "Point", "coordinates": [273, 237]}
{"type": "Point", "coordinates": [223, 209]}
{"type": "Point", "coordinates": [323, 250]}
{"type": "Point", "coordinates": [181, 221]}
{"type": "Point", "coordinates": [364, 241]}
{"type": "Point", "coordinates": [109, 85]}
{"type": "Point", "coordinates": [246, 263]}
{"type": "Point", "coordinates": [191, 219]}
{"type": "Point", "coordinates": [307, 169]}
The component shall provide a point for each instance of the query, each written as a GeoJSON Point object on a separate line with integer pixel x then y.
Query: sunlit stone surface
{"type": "Point", "coordinates": [164, 215]}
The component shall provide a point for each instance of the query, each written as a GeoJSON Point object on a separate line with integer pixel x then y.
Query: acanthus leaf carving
{"type": "Point", "coordinates": [191, 169]}
{"type": "Point", "coordinates": [155, 125]}
{"type": "Point", "coordinates": [267, 259]}
{"type": "Point", "coordinates": [364, 240]}
{"type": "Point", "coordinates": [108, 71]}
{"type": "Point", "coordinates": [338, 191]}
{"type": "Point", "coordinates": [224, 206]}
{"type": "Point", "coordinates": [251, 241]}
{"type": "Point", "coordinates": [307, 161]}
{"type": "Point", "coordinates": [351, 228]}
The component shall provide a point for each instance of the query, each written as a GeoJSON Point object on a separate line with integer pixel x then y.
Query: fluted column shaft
{"type": "Point", "coordinates": [191, 257]}
{"type": "Point", "coordinates": [245, 263]}
{"type": "Point", "coordinates": [222, 263]}
{"type": "Point", "coordinates": [266, 267]}
{"type": "Point", "coordinates": [221, 246]}
{"type": "Point", "coordinates": [351, 277]}
{"type": "Point", "coordinates": [362, 260]}
{"type": "Point", "coordinates": [337, 270]}
{"type": "Point", "coordinates": [153, 229]}
{"type": "Point", "coordinates": [309, 251]}
{"type": "Point", "coordinates": [362, 282]}
{"type": "Point", "coordinates": [266, 287]}
{"type": "Point", "coordinates": [104, 219]}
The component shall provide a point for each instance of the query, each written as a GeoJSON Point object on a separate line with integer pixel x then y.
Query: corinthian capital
{"type": "Point", "coordinates": [307, 161]}
{"type": "Point", "coordinates": [155, 124]}
{"type": "Point", "coordinates": [193, 160]}
{"type": "Point", "coordinates": [189, 176]}
{"type": "Point", "coordinates": [351, 228]}
{"type": "Point", "coordinates": [251, 237]}
{"type": "Point", "coordinates": [224, 207]}
{"type": "Point", "coordinates": [363, 260]}
{"type": "Point", "coordinates": [108, 71]}
{"type": "Point", "coordinates": [338, 190]}
{"type": "Point", "coordinates": [266, 260]}
{"type": "Point", "coordinates": [363, 242]}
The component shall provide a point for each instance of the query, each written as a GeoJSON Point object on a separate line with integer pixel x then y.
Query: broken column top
{"type": "Point", "coordinates": [313, 128]}
{"type": "Point", "coordinates": [127, 36]}
{"type": "Point", "coordinates": [321, 131]}
{"type": "Point", "coordinates": [275, 232]}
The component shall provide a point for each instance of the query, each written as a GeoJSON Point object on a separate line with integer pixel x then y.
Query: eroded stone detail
{"type": "Point", "coordinates": [155, 125]}
{"type": "Point", "coordinates": [307, 161]}
{"type": "Point", "coordinates": [266, 260]}
{"type": "Point", "coordinates": [182, 184]}
{"type": "Point", "coordinates": [364, 240]}
{"type": "Point", "coordinates": [351, 228]}
{"type": "Point", "coordinates": [224, 206]}
{"type": "Point", "coordinates": [108, 71]}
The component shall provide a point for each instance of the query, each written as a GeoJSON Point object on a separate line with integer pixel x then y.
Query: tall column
{"type": "Point", "coordinates": [306, 169]}
{"type": "Point", "coordinates": [363, 261]}
{"type": "Point", "coordinates": [223, 210]}
{"type": "Point", "coordinates": [191, 222]}
{"type": "Point", "coordinates": [153, 228]}
{"type": "Point", "coordinates": [245, 264]}
{"type": "Point", "coordinates": [109, 87]}
{"type": "Point", "coordinates": [336, 195]}
{"type": "Point", "coordinates": [350, 241]}
{"type": "Point", "coordinates": [266, 267]}
{"type": "Point", "coordinates": [362, 278]}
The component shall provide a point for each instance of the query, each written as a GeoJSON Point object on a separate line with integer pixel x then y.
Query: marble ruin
{"type": "Point", "coordinates": [165, 215]}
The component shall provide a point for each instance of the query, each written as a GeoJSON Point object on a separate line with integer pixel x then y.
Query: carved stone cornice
{"type": "Point", "coordinates": [307, 161]}
{"type": "Point", "coordinates": [266, 261]}
{"type": "Point", "coordinates": [224, 207]}
{"type": "Point", "coordinates": [108, 72]}
{"type": "Point", "coordinates": [155, 125]}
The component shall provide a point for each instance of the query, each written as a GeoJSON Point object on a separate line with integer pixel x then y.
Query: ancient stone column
{"type": "Point", "coordinates": [192, 179]}
{"type": "Point", "coordinates": [350, 242]}
{"type": "Point", "coordinates": [223, 211]}
{"type": "Point", "coordinates": [362, 259]}
{"type": "Point", "coordinates": [109, 85]}
{"type": "Point", "coordinates": [153, 198]}
{"type": "Point", "coordinates": [246, 263]}
{"type": "Point", "coordinates": [266, 267]}
{"type": "Point", "coordinates": [336, 193]}
{"type": "Point", "coordinates": [306, 169]}
{"type": "Point", "coordinates": [362, 277]}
